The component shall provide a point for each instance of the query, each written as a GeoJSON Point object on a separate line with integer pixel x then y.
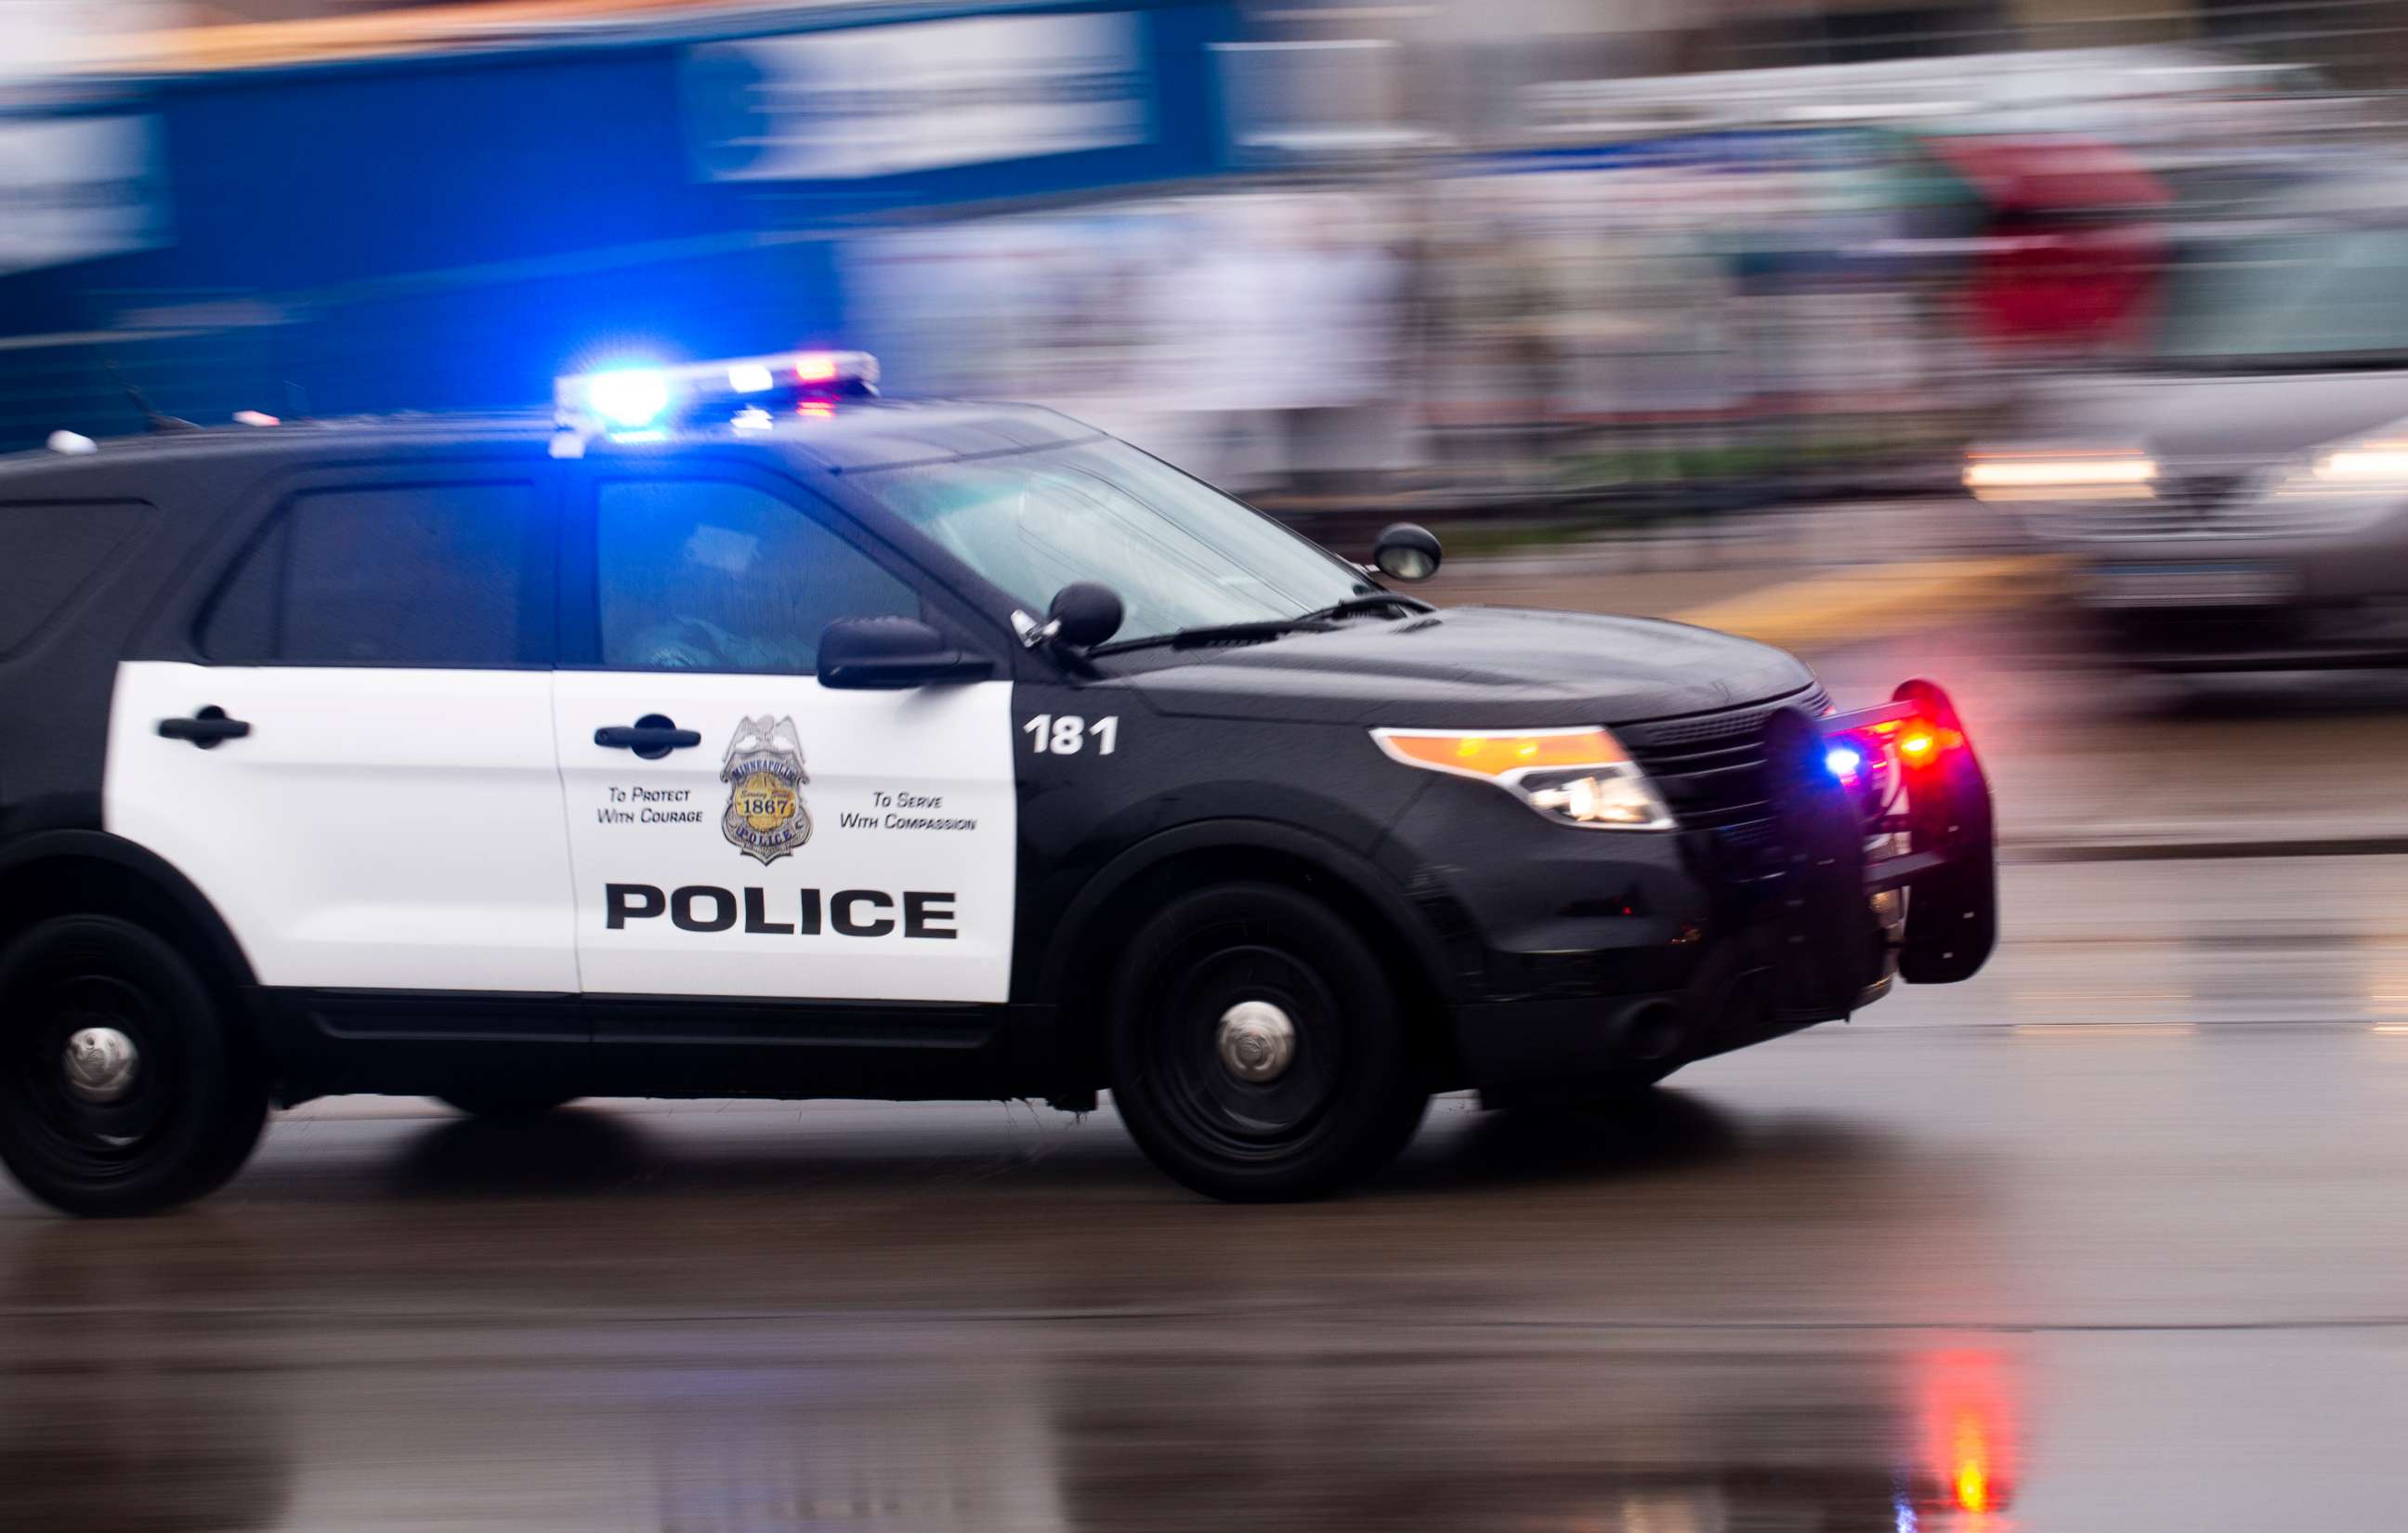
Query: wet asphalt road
{"type": "Point", "coordinates": [2109, 1239]}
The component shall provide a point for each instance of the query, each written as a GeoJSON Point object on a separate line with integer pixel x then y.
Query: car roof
{"type": "Point", "coordinates": [853, 437]}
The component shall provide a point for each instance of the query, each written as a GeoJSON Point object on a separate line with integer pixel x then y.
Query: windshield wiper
{"type": "Point", "coordinates": [1372, 601]}
{"type": "Point", "coordinates": [1205, 636]}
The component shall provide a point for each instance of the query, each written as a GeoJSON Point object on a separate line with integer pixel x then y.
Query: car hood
{"type": "Point", "coordinates": [2224, 417]}
{"type": "Point", "coordinates": [1476, 668]}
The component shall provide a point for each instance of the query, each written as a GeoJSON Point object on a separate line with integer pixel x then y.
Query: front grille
{"type": "Point", "coordinates": [2219, 501]}
{"type": "Point", "coordinates": [2199, 496]}
{"type": "Point", "coordinates": [1710, 767]}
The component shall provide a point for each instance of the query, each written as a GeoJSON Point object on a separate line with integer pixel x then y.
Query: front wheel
{"type": "Point", "coordinates": [123, 1089]}
{"type": "Point", "coordinates": [1258, 1052]}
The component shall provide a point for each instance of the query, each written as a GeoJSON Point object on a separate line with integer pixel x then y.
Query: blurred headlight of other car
{"type": "Point", "coordinates": [2372, 466]}
{"type": "Point", "coordinates": [2107, 474]}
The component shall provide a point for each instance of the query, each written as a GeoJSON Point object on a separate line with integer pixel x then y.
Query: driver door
{"type": "Point", "coordinates": [736, 828]}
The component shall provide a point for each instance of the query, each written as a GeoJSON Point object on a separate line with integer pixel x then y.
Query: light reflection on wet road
{"type": "Point", "coordinates": [2108, 1239]}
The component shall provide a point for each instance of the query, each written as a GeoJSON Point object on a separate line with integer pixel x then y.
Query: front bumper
{"type": "Point", "coordinates": [2291, 595]}
{"type": "Point", "coordinates": [1655, 951]}
{"type": "Point", "coordinates": [2364, 635]}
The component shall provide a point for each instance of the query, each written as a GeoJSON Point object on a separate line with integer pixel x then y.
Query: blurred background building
{"type": "Point", "coordinates": [1514, 252]}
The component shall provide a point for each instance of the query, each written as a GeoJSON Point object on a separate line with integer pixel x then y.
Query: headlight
{"type": "Point", "coordinates": [2374, 466]}
{"type": "Point", "coordinates": [1575, 777]}
{"type": "Point", "coordinates": [2060, 475]}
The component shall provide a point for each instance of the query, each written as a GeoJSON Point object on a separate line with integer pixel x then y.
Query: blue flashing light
{"type": "Point", "coordinates": [639, 400]}
{"type": "Point", "coordinates": [630, 399]}
{"type": "Point", "coordinates": [1844, 760]}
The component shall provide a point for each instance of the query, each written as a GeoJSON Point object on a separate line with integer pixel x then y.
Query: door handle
{"type": "Point", "coordinates": [205, 728]}
{"type": "Point", "coordinates": [650, 737]}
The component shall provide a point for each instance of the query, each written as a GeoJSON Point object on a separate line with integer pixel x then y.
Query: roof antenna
{"type": "Point", "coordinates": [151, 419]}
{"type": "Point", "coordinates": [296, 401]}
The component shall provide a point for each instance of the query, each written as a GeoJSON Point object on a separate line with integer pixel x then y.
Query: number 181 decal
{"type": "Point", "coordinates": [1067, 734]}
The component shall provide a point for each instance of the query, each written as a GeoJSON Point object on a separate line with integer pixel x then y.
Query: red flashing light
{"type": "Point", "coordinates": [817, 410]}
{"type": "Point", "coordinates": [1968, 1435]}
{"type": "Point", "coordinates": [1918, 740]}
{"type": "Point", "coordinates": [814, 369]}
{"type": "Point", "coordinates": [1972, 1485]}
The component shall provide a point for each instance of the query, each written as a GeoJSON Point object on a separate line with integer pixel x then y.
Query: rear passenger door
{"type": "Point", "coordinates": [356, 766]}
{"type": "Point", "coordinates": [739, 830]}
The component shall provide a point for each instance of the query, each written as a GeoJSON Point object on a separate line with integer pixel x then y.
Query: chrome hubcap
{"type": "Point", "coordinates": [101, 1063]}
{"type": "Point", "coordinates": [1257, 1041]}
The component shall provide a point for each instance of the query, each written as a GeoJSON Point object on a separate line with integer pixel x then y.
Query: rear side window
{"type": "Point", "coordinates": [414, 575]}
{"type": "Point", "coordinates": [51, 552]}
{"type": "Point", "coordinates": [700, 575]}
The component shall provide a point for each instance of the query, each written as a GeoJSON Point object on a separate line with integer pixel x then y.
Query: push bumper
{"type": "Point", "coordinates": [1797, 924]}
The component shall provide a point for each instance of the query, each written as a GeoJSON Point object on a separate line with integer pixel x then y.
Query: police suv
{"type": "Point", "coordinates": [733, 731]}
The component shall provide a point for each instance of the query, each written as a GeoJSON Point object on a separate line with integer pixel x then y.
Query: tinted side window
{"type": "Point", "coordinates": [416, 574]}
{"type": "Point", "coordinates": [49, 553]}
{"type": "Point", "coordinates": [698, 575]}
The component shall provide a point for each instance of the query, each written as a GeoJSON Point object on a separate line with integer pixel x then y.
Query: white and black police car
{"type": "Point", "coordinates": [733, 731]}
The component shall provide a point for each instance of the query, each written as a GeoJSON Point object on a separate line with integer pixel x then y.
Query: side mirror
{"type": "Point", "coordinates": [1084, 614]}
{"type": "Point", "coordinates": [1406, 552]}
{"type": "Point", "coordinates": [872, 653]}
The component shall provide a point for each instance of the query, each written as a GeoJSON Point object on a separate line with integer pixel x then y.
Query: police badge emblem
{"type": "Point", "coordinates": [764, 773]}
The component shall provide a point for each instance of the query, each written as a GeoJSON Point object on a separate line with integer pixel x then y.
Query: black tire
{"type": "Point", "coordinates": [1348, 1100]}
{"type": "Point", "coordinates": [506, 1103]}
{"type": "Point", "coordinates": [189, 1114]}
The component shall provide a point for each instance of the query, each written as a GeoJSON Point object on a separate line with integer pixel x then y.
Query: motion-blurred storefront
{"type": "Point", "coordinates": [443, 209]}
{"type": "Point", "coordinates": [1525, 246]}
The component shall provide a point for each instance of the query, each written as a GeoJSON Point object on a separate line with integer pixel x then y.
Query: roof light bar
{"type": "Point", "coordinates": [630, 398]}
{"type": "Point", "coordinates": [627, 400]}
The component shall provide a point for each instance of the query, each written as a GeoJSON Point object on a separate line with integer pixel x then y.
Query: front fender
{"type": "Point", "coordinates": [1048, 962]}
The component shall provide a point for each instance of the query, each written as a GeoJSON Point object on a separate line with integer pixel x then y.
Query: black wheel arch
{"type": "Point", "coordinates": [1072, 972]}
{"type": "Point", "coordinates": [85, 871]}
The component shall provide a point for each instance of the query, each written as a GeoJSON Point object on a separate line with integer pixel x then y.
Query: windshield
{"type": "Point", "coordinates": [2306, 295]}
{"type": "Point", "coordinates": [1179, 553]}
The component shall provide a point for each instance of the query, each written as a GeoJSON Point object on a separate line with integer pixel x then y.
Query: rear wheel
{"type": "Point", "coordinates": [1257, 1050]}
{"type": "Point", "coordinates": [123, 1087]}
